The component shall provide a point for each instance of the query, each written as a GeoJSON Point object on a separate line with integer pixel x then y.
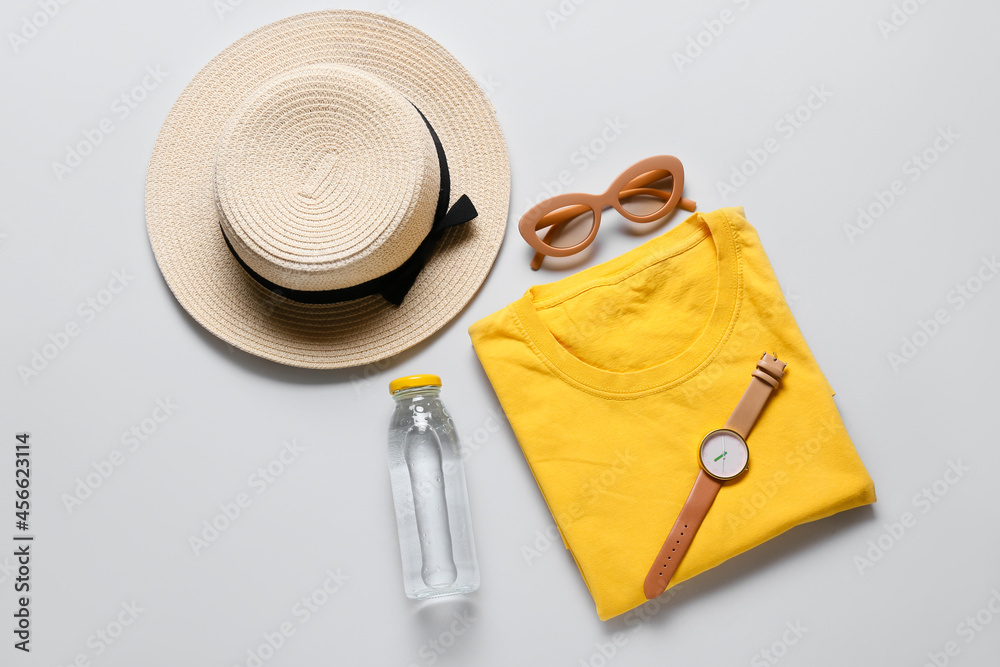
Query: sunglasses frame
{"type": "Point", "coordinates": [629, 183]}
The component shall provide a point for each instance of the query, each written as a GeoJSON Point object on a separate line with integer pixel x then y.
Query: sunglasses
{"type": "Point", "coordinates": [647, 191]}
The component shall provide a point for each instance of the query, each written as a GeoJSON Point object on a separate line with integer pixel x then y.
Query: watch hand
{"type": "Point", "coordinates": [720, 455]}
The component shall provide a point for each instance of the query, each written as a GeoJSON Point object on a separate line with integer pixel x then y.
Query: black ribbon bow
{"type": "Point", "coordinates": [394, 285]}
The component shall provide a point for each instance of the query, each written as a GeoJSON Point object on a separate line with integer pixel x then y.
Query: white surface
{"type": "Point", "coordinates": [555, 90]}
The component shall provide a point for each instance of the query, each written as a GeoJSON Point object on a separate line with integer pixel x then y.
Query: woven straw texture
{"type": "Point", "coordinates": [301, 140]}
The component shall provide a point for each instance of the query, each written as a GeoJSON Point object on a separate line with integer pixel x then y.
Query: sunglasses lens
{"type": "Point", "coordinates": [648, 193]}
{"type": "Point", "coordinates": [567, 226]}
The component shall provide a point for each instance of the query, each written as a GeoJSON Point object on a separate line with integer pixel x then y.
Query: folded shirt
{"type": "Point", "coordinates": [611, 377]}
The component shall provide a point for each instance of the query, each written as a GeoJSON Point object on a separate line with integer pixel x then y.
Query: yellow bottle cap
{"type": "Point", "coordinates": [411, 381]}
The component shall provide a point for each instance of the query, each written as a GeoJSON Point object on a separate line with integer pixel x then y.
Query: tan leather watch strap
{"type": "Point", "coordinates": [692, 514]}
{"type": "Point", "coordinates": [766, 377]}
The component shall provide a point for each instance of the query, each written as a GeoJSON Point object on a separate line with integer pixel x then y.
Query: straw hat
{"type": "Point", "coordinates": [317, 173]}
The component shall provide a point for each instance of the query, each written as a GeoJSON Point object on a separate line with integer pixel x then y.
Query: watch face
{"type": "Point", "coordinates": [724, 454]}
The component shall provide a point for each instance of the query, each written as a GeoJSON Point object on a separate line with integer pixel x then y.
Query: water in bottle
{"type": "Point", "coordinates": [428, 490]}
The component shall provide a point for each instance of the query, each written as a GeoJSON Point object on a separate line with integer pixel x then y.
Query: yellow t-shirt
{"type": "Point", "coordinates": [611, 377]}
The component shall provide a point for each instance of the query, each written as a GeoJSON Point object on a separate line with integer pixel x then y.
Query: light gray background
{"type": "Point", "coordinates": [555, 85]}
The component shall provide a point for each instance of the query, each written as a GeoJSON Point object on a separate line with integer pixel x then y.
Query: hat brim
{"type": "Point", "coordinates": [183, 223]}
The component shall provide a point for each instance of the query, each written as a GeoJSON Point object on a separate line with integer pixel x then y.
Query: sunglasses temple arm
{"type": "Point", "coordinates": [651, 177]}
{"type": "Point", "coordinates": [562, 215]}
{"type": "Point", "coordinates": [554, 221]}
{"type": "Point", "coordinates": [683, 203]}
{"type": "Point", "coordinates": [643, 180]}
{"type": "Point", "coordinates": [536, 261]}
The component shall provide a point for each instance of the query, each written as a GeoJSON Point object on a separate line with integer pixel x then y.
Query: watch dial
{"type": "Point", "coordinates": [724, 454]}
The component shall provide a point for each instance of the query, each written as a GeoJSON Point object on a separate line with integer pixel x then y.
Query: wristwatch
{"type": "Point", "coordinates": [723, 456]}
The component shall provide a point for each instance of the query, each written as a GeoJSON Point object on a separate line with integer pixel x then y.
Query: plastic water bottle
{"type": "Point", "coordinates": [428, 490]}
